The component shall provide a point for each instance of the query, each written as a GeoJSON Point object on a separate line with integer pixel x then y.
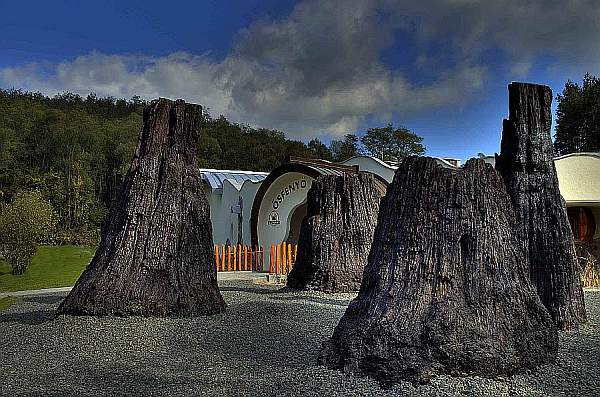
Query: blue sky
{"type": "Point", "coordinates": [310, 68]}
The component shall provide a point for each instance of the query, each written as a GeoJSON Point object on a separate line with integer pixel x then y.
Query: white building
{"type": "Point", "coordinates": [258, 208]}
{"type": "Point", "coordinates": [579, 183]}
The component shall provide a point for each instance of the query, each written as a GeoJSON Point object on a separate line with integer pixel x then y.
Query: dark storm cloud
{"type": "Point", "coordinates": [567, 29]}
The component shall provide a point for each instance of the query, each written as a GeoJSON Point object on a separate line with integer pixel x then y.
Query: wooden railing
{"type": "Point", "coordinates": [283, 258]}
{"type": "Point", "coordinates": [231, 258]}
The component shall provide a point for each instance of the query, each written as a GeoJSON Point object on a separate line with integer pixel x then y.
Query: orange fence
{"type": "Point", "coordinates": [283, 257]}
{"type": "Point", "coordinates": [231, 258]}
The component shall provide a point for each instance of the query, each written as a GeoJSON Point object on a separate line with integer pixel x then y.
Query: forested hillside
{"type": "Point", "coordinates": [73, 150]}
{"type": "Point", "coordinates": [76, 150]}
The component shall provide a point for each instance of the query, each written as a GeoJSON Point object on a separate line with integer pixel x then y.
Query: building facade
{"type": "Point", "coordinates": [260, 209]}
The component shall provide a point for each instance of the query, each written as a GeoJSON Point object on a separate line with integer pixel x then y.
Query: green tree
{"type": "Point", "coordinates": [344, 149]}
{"type": "Point", "coordinates": [578, 117]}
{"type": "Point", "coordinates": [319, 150]}
{"type": "Point", "coordinates": [389, 143]}
{"type": "Point", "coordinates": [25, 223]}
{"type": "Point", "coordinates": [71, 149]}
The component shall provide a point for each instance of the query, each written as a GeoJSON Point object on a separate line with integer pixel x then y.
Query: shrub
{"type": "Point", "coordinates": [588, 254]}
{"type": "Point", "coordinates": [85, 237]}
{"type": "Point", "coordinates": [24, 223]}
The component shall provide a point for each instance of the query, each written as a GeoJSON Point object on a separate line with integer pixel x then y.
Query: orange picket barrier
{"type": "Point", "coordinates": [242, 257]}
{"type": "Point", "coordinates": [283, 257]}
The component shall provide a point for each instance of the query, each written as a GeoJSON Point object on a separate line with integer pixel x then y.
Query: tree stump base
{"type": "Point", "coordinates": [446, 288]}
{"type": "Point", "coordinates": [336, 234]}
{"type": "Point", "coordinates": [156, 253]}
{"type": "Point", "coordinates": [526, 162]}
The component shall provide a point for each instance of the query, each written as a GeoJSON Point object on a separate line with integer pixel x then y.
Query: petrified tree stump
{"type": "Point", "coordinates": [336, 234]}
{"type": "Point", "coordinates": [156, 253]}
{"type": "Point", "coordinates": [446, 288]}
{"type": "Point", "coordinates": [527, 165]}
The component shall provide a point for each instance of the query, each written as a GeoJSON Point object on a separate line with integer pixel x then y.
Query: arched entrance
{"type": "Point", "coordinates": [280, 203]}
{"type": "Point", "coordinates": [296, 217]}
{"type": "Point", "coordinates": [277, 209]}
{"type": "Point", "coordinates": [582, 223]}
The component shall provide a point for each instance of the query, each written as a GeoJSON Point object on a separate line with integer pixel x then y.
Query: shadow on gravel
{"type": "Point", "coordinates": [314, 299]}
{"type": "Point", "coordinates": [269, 334]}
{"type": "Point", "coordinates": [36, 317]}
{"type": "Point", "coordinates": [257, 290]}
{"type": "Point", "coordinates": [44, 299]}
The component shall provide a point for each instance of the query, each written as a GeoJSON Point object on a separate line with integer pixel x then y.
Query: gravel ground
{"type": "Point", "coordinates": [266, 344]}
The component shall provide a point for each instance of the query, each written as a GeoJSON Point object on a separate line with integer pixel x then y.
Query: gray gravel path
{"type": "Point", "coordinates": [265, 344]}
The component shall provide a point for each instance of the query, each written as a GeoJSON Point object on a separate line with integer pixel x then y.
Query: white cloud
{"type": "Point", "coordinates": [318, 70]}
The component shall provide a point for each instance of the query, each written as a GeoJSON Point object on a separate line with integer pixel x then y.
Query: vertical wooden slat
{"type": "Point", "coordinates": [240, 257]}
{"type": "Point", "coordinates": [229, 258]}
{"type": "Point", "coordinates": [255, 258]}
{"type": "Point", "coordinates": [290, 263]}
{"type": "Point", "coordinates": [234, 258]}
{"type": "Point", "coordinates": [280, 258]}
{"type": "Point", "coordinates": [283, 257]}
{"type": "Point", "coordinates": [277, 257]}
{"type": "Point", "coordinates": [272, 263]}
{"type": "Point", "coordinates": [262, 258]}
{"type": "Point", "coordinates": [223, 258]}
{"type": "Point", "coordinates": [216, 257]}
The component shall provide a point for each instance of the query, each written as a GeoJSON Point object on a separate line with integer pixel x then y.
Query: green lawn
{"type": "Point", "coordinates": [6, 302]}
{"type": "Point", "coordinates": [52, 266]}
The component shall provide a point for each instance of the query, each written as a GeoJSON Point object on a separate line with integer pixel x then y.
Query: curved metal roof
{"type": "Point", "coordinates": [216, 178]}
{"type": "Point", "coordinates": [323, 167]}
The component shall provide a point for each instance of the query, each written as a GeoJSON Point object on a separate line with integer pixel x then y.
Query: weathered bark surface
{"type": "Point", "coordinates": [446, 288]}
{"type": "Point", "coordinates": [336, 234]}
{"type": "Point", "coordinates": [156, 253]}
{"type": "Point", "coordinates": [527, 166]}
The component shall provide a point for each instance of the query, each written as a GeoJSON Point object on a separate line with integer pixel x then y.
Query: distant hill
{"type": "Point", "coordinates": [75, 150]}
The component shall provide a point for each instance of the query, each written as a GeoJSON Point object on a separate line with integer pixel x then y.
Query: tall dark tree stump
{"type": "Point", "coordinates": [446, 288]}
{"type": "Point", "coordinates": [527, 165]}
{"type": "Point", "coordinates": [336, 234]}
{"type": "Point", "coordinates": [156, 253]}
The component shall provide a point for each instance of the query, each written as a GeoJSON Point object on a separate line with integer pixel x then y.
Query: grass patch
{"type": "Point", "coordinates": [52, 266]}
{"type": "Point", "coordinates": [6, 302]}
